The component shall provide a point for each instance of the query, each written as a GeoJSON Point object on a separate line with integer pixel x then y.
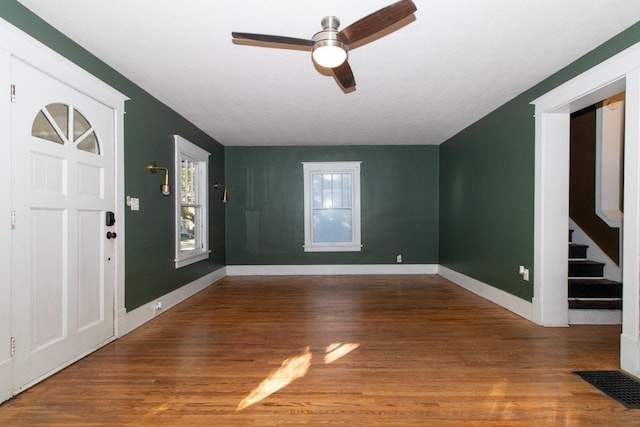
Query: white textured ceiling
{"type": "Point", "coordinates": [456, 62]}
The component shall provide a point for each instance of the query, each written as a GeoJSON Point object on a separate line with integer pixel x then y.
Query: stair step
{"type": "Point", "coordinates": [587, 289]}
{"type": "Point", "coordinates": [577, 251]}
{"type": "Point", "coordinates": [585, 268]}
{"type": "Point", "coordinates": [595, 304]}
{"type": "Point", "coordinates": [594, 288]}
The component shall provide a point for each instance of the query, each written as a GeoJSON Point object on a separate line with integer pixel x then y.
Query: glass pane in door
{"type": "Point", "coordinates": [42, 128]}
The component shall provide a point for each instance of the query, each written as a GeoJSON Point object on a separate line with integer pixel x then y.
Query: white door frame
{"type": "Point", "coordinates": [14, 42]}
{"type": "Point", "coordinates": [552, 114]}
{"type": "Point", "coordinates": [6, 327]}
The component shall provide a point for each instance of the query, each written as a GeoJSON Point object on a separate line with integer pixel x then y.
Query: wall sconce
{"type": "Point", "coordinates": [166, 187]}
{"type": "Point", "coordinates": [224, 199]}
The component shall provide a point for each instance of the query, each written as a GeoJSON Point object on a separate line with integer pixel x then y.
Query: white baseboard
{"type": "Point", "coordinates": [139, 316]}
{"type": "Point", "coordinates": [595, 317]}
{"type": "Point", "coordinates": [506, 300]}
{"type": "Point", "coordinates": [120, 326]}
{"type": "Point", "coordinates": [307, 270]}
{"type": "Point", "coordinates": [630, 354]}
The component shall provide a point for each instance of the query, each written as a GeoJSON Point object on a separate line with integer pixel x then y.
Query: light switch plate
{"type": "Point", "coordinates": [135, 204]}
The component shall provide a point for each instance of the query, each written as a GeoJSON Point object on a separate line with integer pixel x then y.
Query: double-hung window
{"type": "Point", "coordinates": [331, 206]}
{"type": "Point", "coordinates": [191, 208]}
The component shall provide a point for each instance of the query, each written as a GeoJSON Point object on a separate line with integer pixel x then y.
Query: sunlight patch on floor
{"type": "Point", "coordinates": [292, 369]}
{"type": "Point", "coordinates": [337, 350]}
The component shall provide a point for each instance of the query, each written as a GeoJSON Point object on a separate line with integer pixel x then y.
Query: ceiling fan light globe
{"type": "Point", "coordinates": [329, 53]}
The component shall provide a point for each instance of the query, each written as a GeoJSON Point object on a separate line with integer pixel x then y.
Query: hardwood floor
{"type": "Point", "coordinates": [334, 350]}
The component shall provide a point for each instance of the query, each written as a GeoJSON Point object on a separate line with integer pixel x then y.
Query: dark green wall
{"type": "Point", "coordinates": [486, 211]}
{"type": "Point", "coordinates": [149, 126]}
{"type": "Point", "coordinates": [487, 184]}
{"type": "Point", "coordinates": [399, 203]}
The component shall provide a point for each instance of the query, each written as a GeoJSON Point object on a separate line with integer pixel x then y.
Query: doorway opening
{"type": "Point", "coordinates": [596, 212]}
{"type": "Point", "coordinates": [620, 73]}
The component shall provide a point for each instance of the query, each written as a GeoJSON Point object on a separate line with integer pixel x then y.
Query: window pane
{"type": "Point", "coordinates": [80, 124]}
{"type": "Point", "coordinates": [60, 114]}
{"type": "Point", "coordinates": [337, 190]}
{"type": "Point", "coordinates": [188, 177]}
{"type": "Point", "coordinates": [184, 180]}
{"type": "Point", "coordinates": [332, 225]}
{"type": "Point", "coordinates": [316, 191]}
{"type": "Point", "coordinates": [327, 200]}
{"type": "Point", "coordinates": [347, 188]}
{"type": "Point", "coordinates": [90, 144]}
{"type": "Point", "coordinates": [188, 223]}
{"type": "Point", "coordinates": [41, 128]}
{"type": "Point", "coordinates": [193, 188]}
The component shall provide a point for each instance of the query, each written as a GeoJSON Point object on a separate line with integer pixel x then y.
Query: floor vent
{"type": "Point", "coordinates": [616, 385]}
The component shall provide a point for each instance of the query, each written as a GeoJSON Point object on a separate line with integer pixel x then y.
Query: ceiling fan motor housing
{"type": "Point", "coordinates": [329, 50]}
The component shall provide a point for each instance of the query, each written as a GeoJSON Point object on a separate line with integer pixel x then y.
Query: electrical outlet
{"type": "Point", "coordinates": [399, 258]}
{"type": "Point", "coordinates": [158, 306]}
{"type": "Point", "coordinates": [524, 272]}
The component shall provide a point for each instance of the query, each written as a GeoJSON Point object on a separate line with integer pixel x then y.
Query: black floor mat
{"type": "Point", "coordinates": [615, 384]}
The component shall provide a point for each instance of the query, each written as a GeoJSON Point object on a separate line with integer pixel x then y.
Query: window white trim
{"type": "Point", "coordinates": [353, 168]}
{"type": "Point", "coordinates": [184, 148]}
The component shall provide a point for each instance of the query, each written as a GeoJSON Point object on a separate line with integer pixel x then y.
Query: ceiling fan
{"type": "Point", "coordinates": [329, 47]}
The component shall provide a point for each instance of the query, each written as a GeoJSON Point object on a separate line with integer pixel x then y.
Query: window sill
{"type": "Point", "coordinates": [332, 248]}
{"type": "Point", "coordinates": [191, 259]}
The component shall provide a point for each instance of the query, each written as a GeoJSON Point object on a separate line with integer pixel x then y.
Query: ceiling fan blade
{"type": "Point", "coordinates": [272, 39]}
{"type": "Point", "coordinates": [378, 21]}
{"type": "Point", "coordinates": [344, 75]}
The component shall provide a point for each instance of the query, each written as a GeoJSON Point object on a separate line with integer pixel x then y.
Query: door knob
{"type": "Point", "coordinates": [111, 235]}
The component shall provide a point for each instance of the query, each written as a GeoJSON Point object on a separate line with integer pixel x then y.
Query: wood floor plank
{"type": "Point", "coordinates": [334, 350]}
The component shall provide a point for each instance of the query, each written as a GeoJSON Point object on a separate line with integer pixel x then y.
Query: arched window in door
{"type": "Point", "coordinates": [64, 125]}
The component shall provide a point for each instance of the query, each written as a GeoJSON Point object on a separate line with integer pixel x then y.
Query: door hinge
{"type": "Point", "coordinates": [13, 92]}
{"type": "Point", "coordinates": [13, 220]}
{"type": "Point", "coordinates": [13, 346]}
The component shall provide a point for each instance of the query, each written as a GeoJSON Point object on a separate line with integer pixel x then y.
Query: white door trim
{"type": "Point", "coordinates": [552, 110]}
{"type": "Point", "coordinates": [14, 42]}
{"type": "Point", "coordinates": [6, 327]}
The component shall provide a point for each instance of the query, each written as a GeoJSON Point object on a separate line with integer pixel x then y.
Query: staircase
{"type": "Point", "coordinates": [588, 289]}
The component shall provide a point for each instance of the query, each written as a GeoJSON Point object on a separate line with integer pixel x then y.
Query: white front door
{"type": "Point", "coordinates": [62, 261]}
